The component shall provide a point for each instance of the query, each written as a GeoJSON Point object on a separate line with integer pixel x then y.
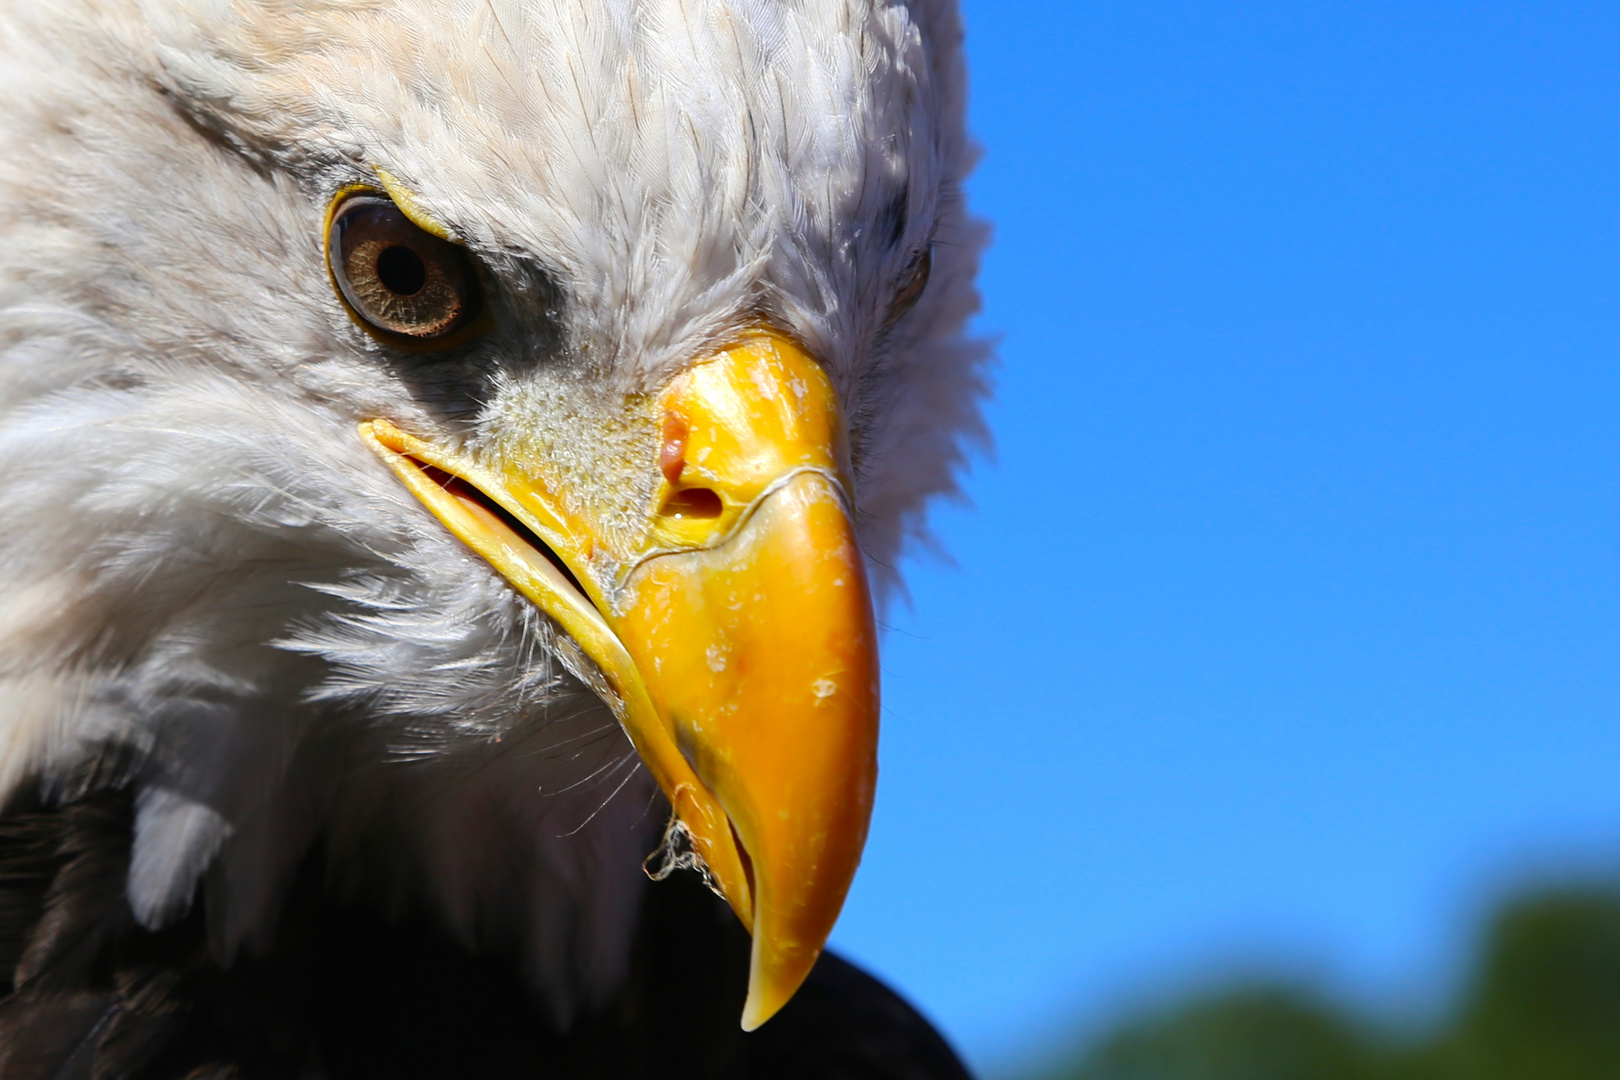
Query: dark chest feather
{"type": "Point", "coordinates": [346, 994]}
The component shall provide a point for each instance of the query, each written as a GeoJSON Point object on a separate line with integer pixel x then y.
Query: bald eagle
{"type": "Point", "coordinates": [453, 449]}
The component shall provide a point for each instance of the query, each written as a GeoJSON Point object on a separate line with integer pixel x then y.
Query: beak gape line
{"type": "Point", "coordinates": [736, 638]}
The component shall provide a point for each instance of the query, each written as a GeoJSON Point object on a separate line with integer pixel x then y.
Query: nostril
{"type": "Point", "coordinates": [693, 503]}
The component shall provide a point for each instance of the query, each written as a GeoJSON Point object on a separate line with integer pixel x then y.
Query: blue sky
{"type": "Point", "coordinates": [1285, 624]}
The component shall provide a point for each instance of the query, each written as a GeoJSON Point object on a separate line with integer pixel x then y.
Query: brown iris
{"type": "Point", "coordinates": [398, 278]}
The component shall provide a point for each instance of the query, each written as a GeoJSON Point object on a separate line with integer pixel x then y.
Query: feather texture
{"type": "Point", "coordinates": [206, 572]}
{"type": "Point", "coordinates": [353, 996]}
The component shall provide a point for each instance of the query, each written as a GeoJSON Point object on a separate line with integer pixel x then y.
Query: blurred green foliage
{"type": "Point", "coordinates": [1542, 1003]}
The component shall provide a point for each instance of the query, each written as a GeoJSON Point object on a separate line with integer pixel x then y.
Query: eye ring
{"type": "Point", "coordinates": [912, 286]}
{"type": "Point", "coordinates": [400, 282]}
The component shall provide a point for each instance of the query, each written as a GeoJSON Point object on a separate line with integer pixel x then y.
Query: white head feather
{"type": "Point", "coordinates": [202, 565]}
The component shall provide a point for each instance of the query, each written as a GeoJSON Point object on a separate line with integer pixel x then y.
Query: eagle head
{"type": "Point", "coordinates": [433, 430]}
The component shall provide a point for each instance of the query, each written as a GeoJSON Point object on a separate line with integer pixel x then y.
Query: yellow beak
{"type": "Point", "coordinates": [733, 633]}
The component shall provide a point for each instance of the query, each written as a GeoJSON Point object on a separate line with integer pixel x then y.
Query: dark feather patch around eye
{"type": "Point", "coordinates": [912, 284]}
{"type": "Point", "coordinates": [892, 220]}
{"type": "Point", "coordinates": [398, 279]}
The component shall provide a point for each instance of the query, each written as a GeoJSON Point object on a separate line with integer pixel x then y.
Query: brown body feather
{"type": "Point", "coordinates": [345, 993]}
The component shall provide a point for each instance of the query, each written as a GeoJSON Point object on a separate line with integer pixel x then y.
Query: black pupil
{"type": "Point", "coordinates": [401, 270]}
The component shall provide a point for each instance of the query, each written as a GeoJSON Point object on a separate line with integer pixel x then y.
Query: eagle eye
{"type": "Point", "coordinates": [398, 279]}
{"type": "Point", "coordinates": [912, 285]}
